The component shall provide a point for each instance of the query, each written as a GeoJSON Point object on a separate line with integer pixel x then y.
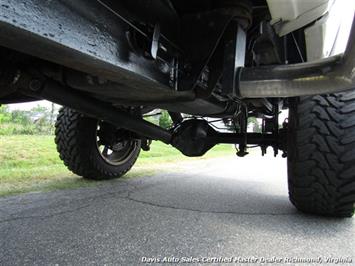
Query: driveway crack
{"type": "Point", "coordinates": [130, 198]}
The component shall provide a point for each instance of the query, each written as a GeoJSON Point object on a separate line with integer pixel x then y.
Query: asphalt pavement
{"type": "Point", "coordinates": [218, 211]}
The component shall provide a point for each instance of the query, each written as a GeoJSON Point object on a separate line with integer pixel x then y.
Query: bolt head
{"type": "Point", "coordinates": [35, 85]}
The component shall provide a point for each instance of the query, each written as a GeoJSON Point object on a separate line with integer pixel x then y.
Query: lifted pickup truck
{"type": "Point", "coordinates": [111, 62]}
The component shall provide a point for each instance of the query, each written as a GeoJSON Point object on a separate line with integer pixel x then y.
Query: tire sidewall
{"type": "Point", "coordinates": [88, 146]}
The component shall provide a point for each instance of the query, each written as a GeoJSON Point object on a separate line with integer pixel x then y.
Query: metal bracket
{"type": "Point", "coordinates": [155, 41]}
{"type": "Point", "coordinates": [234, 59]}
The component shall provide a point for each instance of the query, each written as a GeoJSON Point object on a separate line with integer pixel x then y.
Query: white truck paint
{"type": "Point", "coordinates": [290, 15]}
{"type": "Point", "coordinates": [332, 20]}
{"type": "Point", "coordinates": [329, 35]}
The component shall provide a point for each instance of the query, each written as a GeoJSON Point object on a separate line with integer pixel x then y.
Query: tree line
{"type": "Point", "coordinates": [39, 120]}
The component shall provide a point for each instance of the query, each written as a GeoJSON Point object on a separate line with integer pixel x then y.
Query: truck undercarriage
{"type": "Point", "coordinates": [114, 61]}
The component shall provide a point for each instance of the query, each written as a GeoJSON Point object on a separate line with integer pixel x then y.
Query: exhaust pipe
{"type": "Point", "coordinates": [54, 92]}
{"type": "Point", "coordinates": [331, 75]}
{"type": "Point", "coordinates": [73, 37]}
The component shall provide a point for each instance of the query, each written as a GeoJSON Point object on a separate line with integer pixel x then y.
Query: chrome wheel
{"type": "Point", "coordinates": [115, 146]}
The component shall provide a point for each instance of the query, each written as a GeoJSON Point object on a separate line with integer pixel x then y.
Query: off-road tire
{"type": "Point", "coordinates": [321, 154]}
{"type": "Point", "coordinates": [75, 137]}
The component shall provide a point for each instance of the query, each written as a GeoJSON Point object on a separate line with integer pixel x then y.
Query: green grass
{"type": "Point", "coordinates": [31, 163]}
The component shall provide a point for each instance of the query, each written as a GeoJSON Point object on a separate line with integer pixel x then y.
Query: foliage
{"type": "Point", "coordinates": [20, 117]}
{"type": "Point", "coordinates": [4, 114]}
{"type": "Point", "coordinates": [255, 124]}
{"type": "Point", "coordinates": [38, 121]}
{"type": "Point", "coordinates": [152, 119]}
{"type": "Point", "coordinates": [165, 120]}
{"type": "Point", "coordinates": [8, 129]}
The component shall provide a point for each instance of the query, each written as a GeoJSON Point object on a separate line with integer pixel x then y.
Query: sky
{"type": "Point", "coordinates": [29, 106]}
